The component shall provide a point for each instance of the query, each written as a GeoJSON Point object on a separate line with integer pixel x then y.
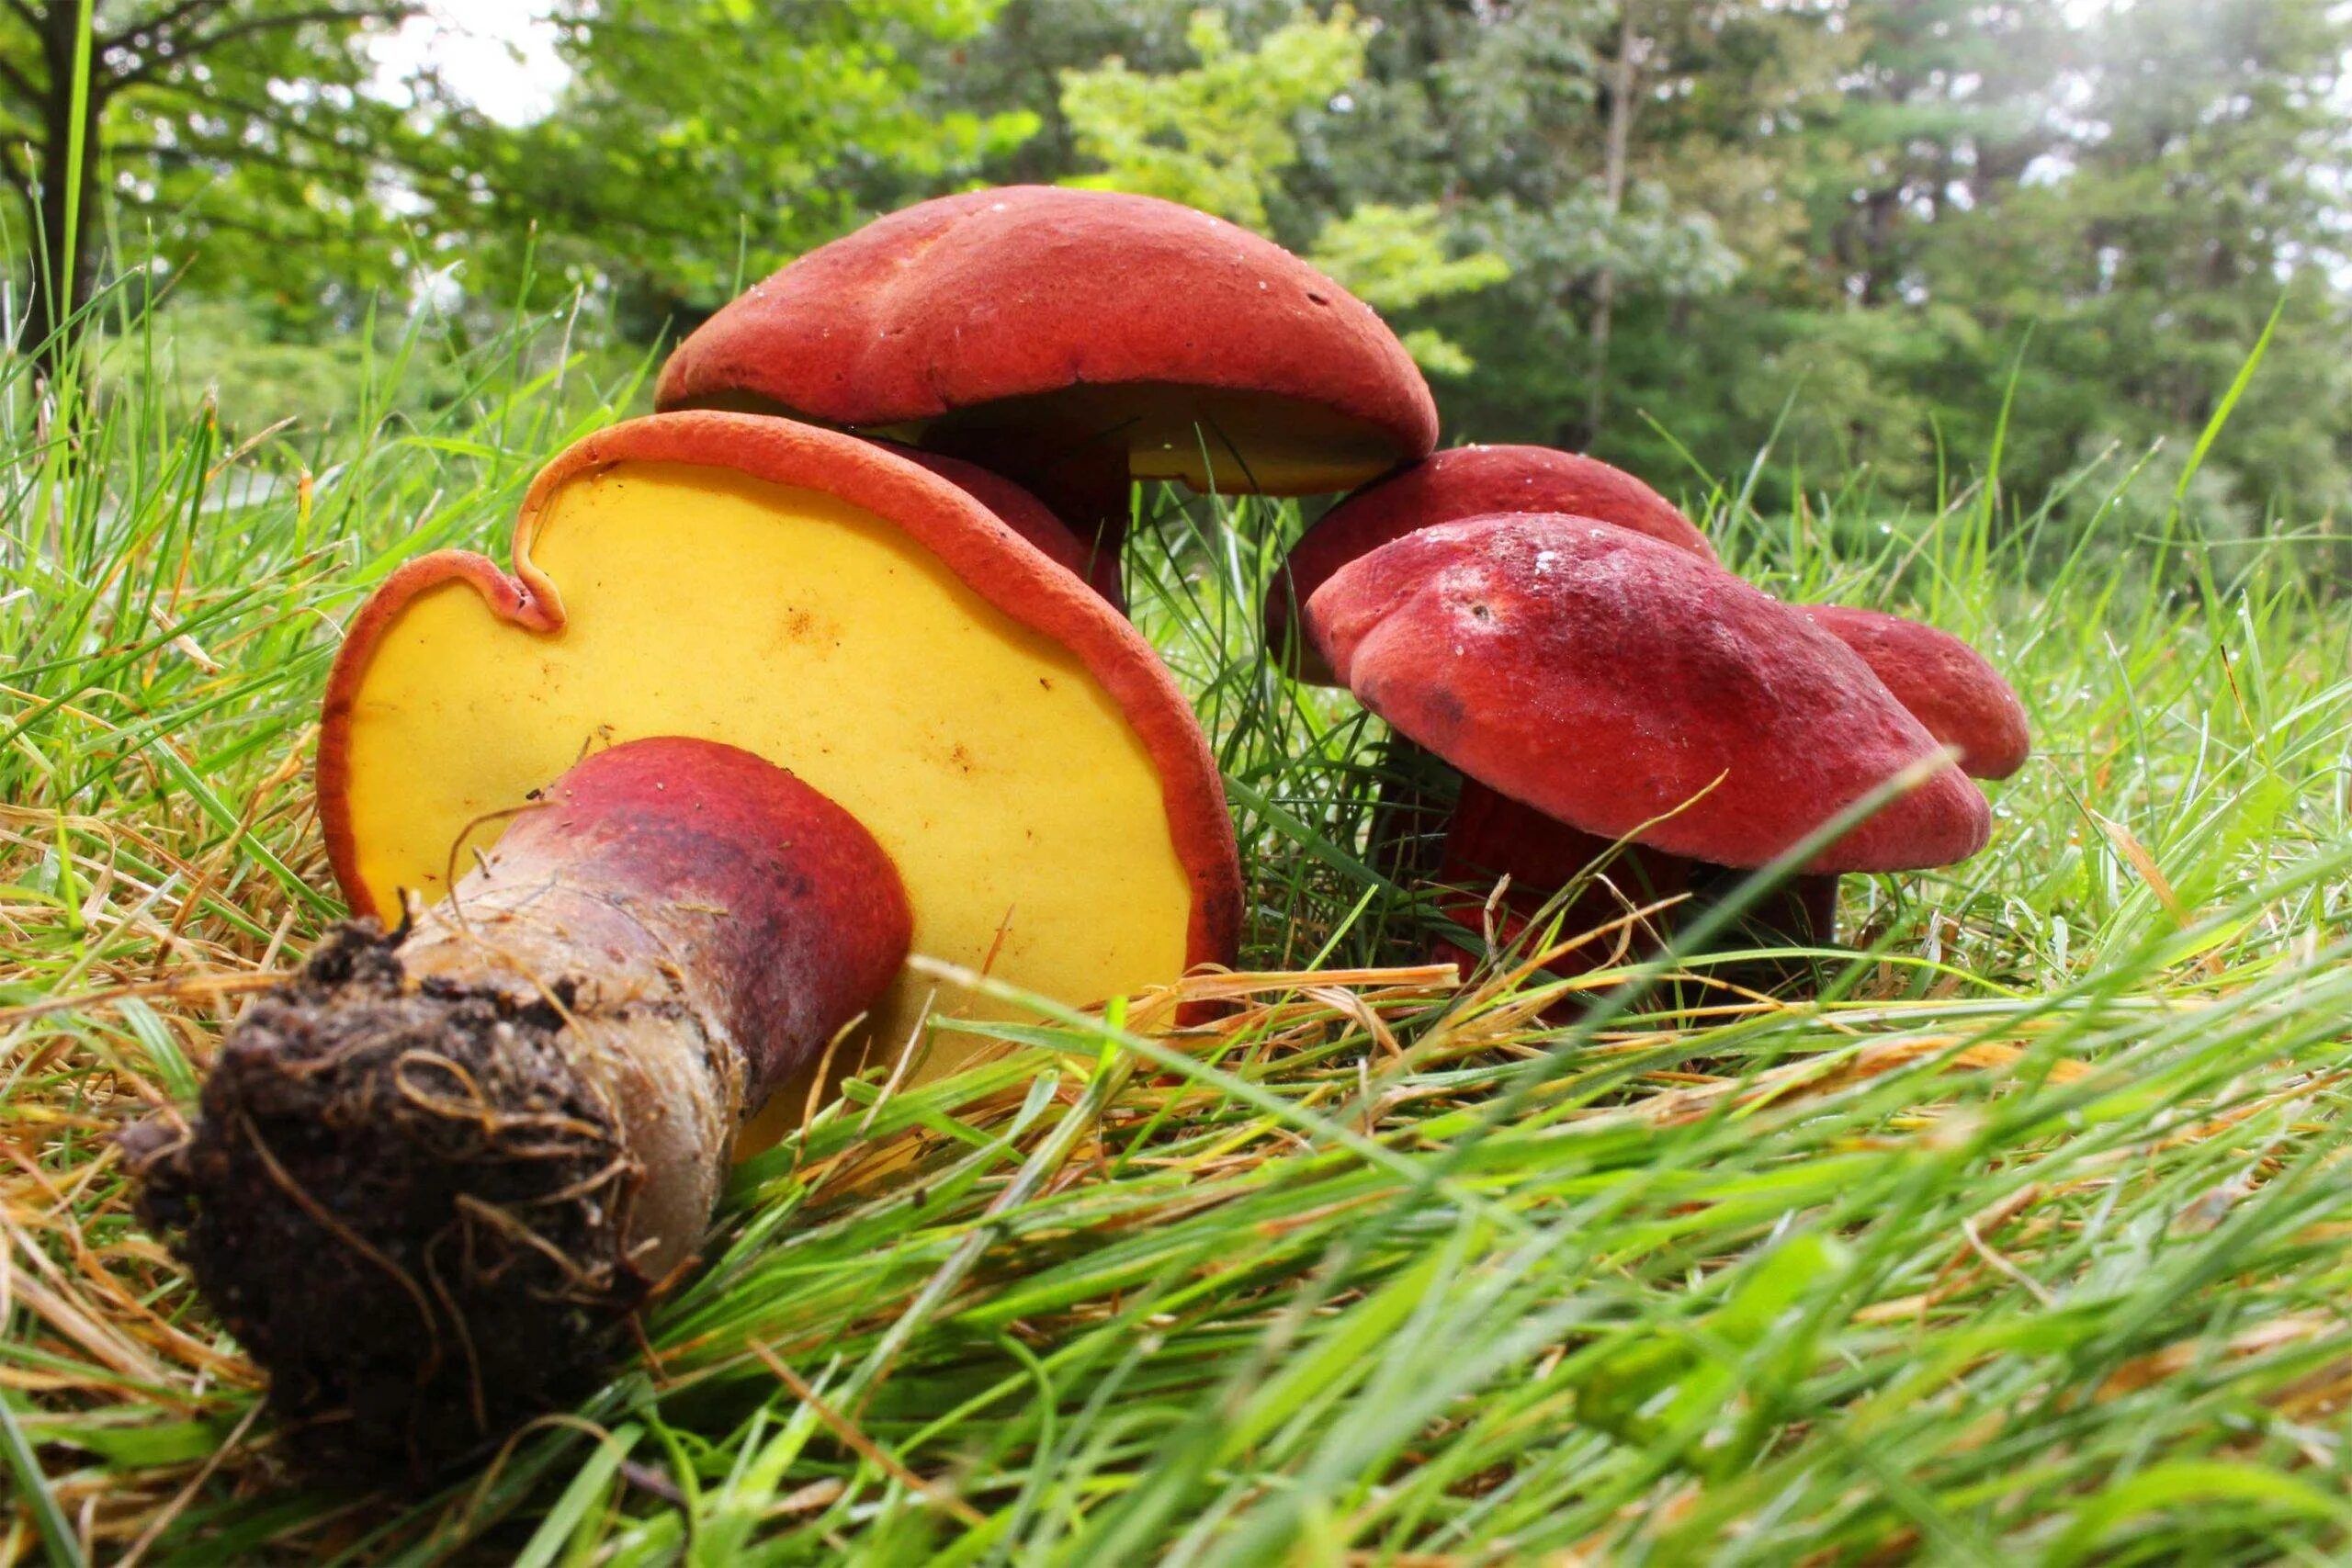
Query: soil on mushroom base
{"type": "Point", "coordinates": [387, 1186]}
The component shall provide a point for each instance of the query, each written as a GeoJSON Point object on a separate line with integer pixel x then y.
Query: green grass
{"type": "Point", "coordinates": [2026, 1243]}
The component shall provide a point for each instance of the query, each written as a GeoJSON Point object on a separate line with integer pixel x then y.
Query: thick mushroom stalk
{"type": "Point", "coordinates": [1493, 836]}
{"type": "Point", "coordinates": [433, 1175]}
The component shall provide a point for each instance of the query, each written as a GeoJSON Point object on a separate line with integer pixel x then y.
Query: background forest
{"type": "Point", "coordinates": [1667, 230]}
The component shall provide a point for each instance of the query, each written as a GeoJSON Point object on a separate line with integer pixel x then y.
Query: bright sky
{"type": "Point", "coordinates": [498, 53]}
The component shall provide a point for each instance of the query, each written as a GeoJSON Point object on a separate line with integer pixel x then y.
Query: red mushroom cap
{"type": "Point", "coordinates": [1040, 316]}
{"type": "Point", "coordinates": [1946, 684]}
{"type": "Point", "coordinates": [1466, 482]}
{"type": "Point", "coordinates": [1629, 689]}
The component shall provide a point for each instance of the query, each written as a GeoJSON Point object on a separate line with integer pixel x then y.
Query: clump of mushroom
{"type": "Point", "coordinates": [760, 709]}
{"type": "Point", "coordinates": [1773, 690]}
{"type": "Point", "coordinates": [656, 821]}
{"type": "Point", "coordinates": [1597, 686]}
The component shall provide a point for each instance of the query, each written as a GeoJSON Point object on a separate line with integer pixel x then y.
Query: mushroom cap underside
{"type": "Point", "coordinates": [1020, 753]}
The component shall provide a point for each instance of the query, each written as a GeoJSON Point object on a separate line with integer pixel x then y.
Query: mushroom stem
{"type": "Point", "coordinates": [1802, 912]}
{"type": "Point", "coordinates": [1085, 483]}
{"type": "Point", "coordinates": [434, 1174]}
{"type": "Point", "coordinates": [1493, 835]}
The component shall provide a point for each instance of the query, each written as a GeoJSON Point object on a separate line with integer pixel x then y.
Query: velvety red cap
{"type": "Point", "coordinates": [1632, 690]}
{"type": "Point", "coordinates": [975, 298]}
{"type": "Point", "coordinates": [1466, 482]}
{"type": "Point", "coordinates": [1946, 684]}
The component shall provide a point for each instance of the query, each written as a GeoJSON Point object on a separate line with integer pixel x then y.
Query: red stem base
{"type": "Point", "coordinates": [1494, 835]}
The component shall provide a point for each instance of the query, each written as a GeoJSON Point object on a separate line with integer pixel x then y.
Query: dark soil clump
{"type": "Point", "coordinates": [405, 1203]}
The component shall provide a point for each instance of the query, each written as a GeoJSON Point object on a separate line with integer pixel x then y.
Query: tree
{"type": "Point", "coordinates": [702, 141]}
{"type": "Point", "coordinates": [245, 121]}
{"type": "Point", "coordinates": [1844, 225]}
{"type": "Point", "coordinates": [1221, 132]}
{"type": "Point", "coordinates": [2209, 192]}
{"type": "Point", "coordinates": [1625, 160]}
{"type": "Point", "coordinates": [1218, 133]}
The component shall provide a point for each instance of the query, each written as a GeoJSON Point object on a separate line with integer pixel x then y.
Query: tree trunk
{"type": "Point", "coordinates": [1623, 79]}
{"type": "Point", "coordinates": [64, 266]}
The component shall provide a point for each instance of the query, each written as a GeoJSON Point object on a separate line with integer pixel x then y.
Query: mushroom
{"type": "Point", "coordinates": [1956, 696]}
{"type": "Point", "coordinates": [1608, 687]}
{"type": "Point", "coordinates": [433, 1175]}
{"type": "Point", "coordinates": [1946, 684]}
{"type": "Point", "coordinates": [1463, 482]}
{"type": "Point", "coordinates": [1076, 340]}
{"type": "Point", "coordinates": [1013, 506]}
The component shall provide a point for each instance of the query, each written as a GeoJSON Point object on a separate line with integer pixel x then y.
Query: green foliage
{"type": "Point", "coordinates": [1853, 228]}
{"type": "Point", "coordinates": [243, 145]}
{"type": "Point", "coordinates": [1849, 225]}
{"type": "Point", "coordinates": [1219, 134]}
{"type": "Point", "coordinates": [700, 141]}
{"type": "Point", "coordinates": [1394, 258]}
{"type": "Point", "coordinates": [228, 361]}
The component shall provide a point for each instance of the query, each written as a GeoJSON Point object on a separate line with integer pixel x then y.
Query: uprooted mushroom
{"type": "Point", "coordinates": [1598, 687]}
{"type": "Point", "coordinates": [1075, 341]}
{"type": "Point", "coordinates": [655, 819]}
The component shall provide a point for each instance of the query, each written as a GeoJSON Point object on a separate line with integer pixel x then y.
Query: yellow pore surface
{"type": "Point", "coordinates": [1025, 816]}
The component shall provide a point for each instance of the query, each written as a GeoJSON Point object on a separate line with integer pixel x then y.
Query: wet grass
{"type": "Point", "coordinates": [2026, 1242]}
